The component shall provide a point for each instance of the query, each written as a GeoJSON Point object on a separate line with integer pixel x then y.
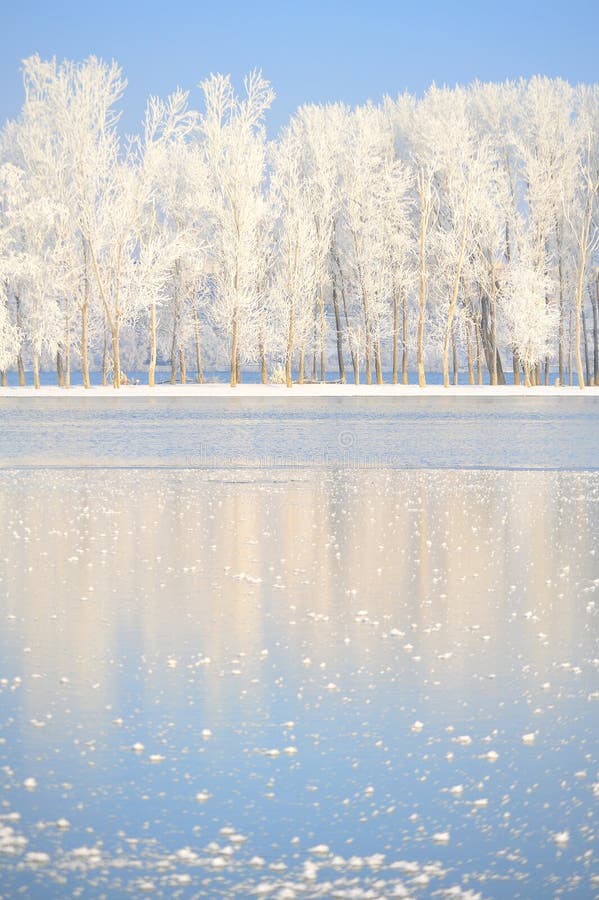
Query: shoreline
{"type": "Point", "coordinates": [298, 391]}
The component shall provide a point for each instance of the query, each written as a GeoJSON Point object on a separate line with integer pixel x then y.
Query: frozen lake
{"type": "Point", "coordinates": [424, 432]}
{"type": "Point", "coordinates": [316, 649]}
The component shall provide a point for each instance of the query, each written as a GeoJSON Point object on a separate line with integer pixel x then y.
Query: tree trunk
{"type": "Point", "coordinates": [516, 367]}
{"type": "Point", "coordinates": [323, 374]}
{"type": "Point", "coordinates": [560, 349]}
{"type": "Point", "coordinates": [479, 366]}
{"type": "Point", "coordinates": [290, 340]}
{"type": "Point", "coordinates": [67, 346]}
{"type": "Point", "coordinates": [302, 363]}
{"type": "Point", "coordinates": [263, 369]}
{"type": "Point", "coordinates": [182, 366]}
{"type": "Point", "coordinates": [152, 366]}
{"type": "Point", "coordinates": [59, 369]}
{"type": "Point", "coordinates": [583, 243]}
{"type": "Point", "coordinates": [36, 371]}
{"type": "Point", "coordinates": [234, 349]}
{"type": "Point", "coordinates": [586, 346]}
{"type": "Point", "coordinates": [491, 351]}
{"type": "Point", "coordinates": [404, 339]}
{"type": "Point", "coordinates": [339, 335]}
{"type": "Point", "coordinates": [238, 365]}
{"type": "Point", "coordinates": [469, 351]}
{"type": "Point", "coordinates": [84, 347]}
{"type": "Point", "coordinates": [4, 378]}
{"type": "Point", "coordinates": [425, 209]}
{"type": "Point", "coordinates": [395, 365]}
{"type": "Point", "coordinates": [377, 361]}
{"type": "Point", "coordinates": [595, 308]}
{"type": "Point", "coordinates": [20, 366]}
{"type": "Point", "coordinates": [454, 350]}
{"type": "Point", "coordinates": [174, 361]}
{"type": "Point", "coordinates": [494, 350]}
{"type": "Point", "coordinates": [105, 358]}
{"type": "Point", "coordinates": [570, 372]}
{"type": "Point", "coordinates": [84, 319]}
{"type": "Point", "coordinates": [352, 349]}
{"type": "Point", "coordinates": [116, 352]}
{"type": "Point", "coordinates": [198, 346]}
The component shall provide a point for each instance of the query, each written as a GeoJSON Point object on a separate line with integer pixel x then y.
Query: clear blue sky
{"type": "Point", "coordinates": [311, 51]}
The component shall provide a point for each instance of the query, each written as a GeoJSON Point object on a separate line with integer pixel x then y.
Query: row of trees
{"type": "Point", "coordinates": [457, 229]}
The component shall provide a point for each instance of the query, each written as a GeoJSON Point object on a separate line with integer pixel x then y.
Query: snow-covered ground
{"type": "Point", "coordinates": [303, 390]}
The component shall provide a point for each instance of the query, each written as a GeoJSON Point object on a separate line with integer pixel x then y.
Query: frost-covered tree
{"type": "Point", "coordinates": [431, 226]}
{"type": "Point", "coordinates": [234, 145]}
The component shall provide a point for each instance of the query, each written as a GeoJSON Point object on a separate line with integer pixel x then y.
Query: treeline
{"type": "Point", "coordinates": [458, 230]}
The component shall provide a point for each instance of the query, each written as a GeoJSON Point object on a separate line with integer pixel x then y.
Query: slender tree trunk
{"type": "Point", "coordinates": [290, 340]}
{"type": "Point", "coordinates": [368, 349]}
{"type": "Point", "coordinates": [116, 352]}
{"type": "Point", "coordinates": [560, 349]}
{"type": "Point", "coordinates": [84, 345]}
{"type": "Point", "coordinates": [378, 367]}
{"type": "Point", "coordinates": [595, 308]}
{"type": "Point", "coordinates": [425, 208]}
{"type": "Point", "coordinates": [59, 369]}
{"type": "Point", "coordinates": [174, 338]}
{"type": "Point", "coordinates": [84, 320]}
{"type": "Point", "coordinates": [105, 357]}
{"type": "Point", "coordinates": [182, 366]}
{"type": "Point", "coordinates": [570, 351]}
{"type": "Point", "coordinates": [152, 367]}
{"type": "Point", "coordinates": [67, 346]}
{"type": "Point", "coordinates": [234, 349]}
{"type": "Point", "coordinates": [479, 367]}
{"type": "Point", "coordinates": [586, 346]}
{"type": "Point", "coordinates": [263, 369]}
{"type": "Point", "coordinates": [352, 349]}
{"type": "Point", "coordinates": [238, 366]}
{"type": "Point", "coordinates": [469, 351]}
{"type": "Point", "coordinates": [339, 335]}
{"type": "Point", "coordinates": [583, 243]}
{"type": "Point", "coordinates": [20, 365]}
{"type": "Point", "coordinates": [494, 350]}
{"type": "Point", "coordinates": [323, 373]}
{"type": "Point", "coordinates": [302, 363]}
{"type": "Point", "coordinates": [4, 378]}
{"type": "Point", "coordinates": [404, 339]}
{"type": "Point", "coordinates": [516, 366]}
{"type": "Point", "coordinates": [36, 370]}
{"type": "Point", "coordinates": [198, 346]}
{"type": "Point", "coordinates": [395, 366]}
{"type": "Point", "coordinates": [454, 349]}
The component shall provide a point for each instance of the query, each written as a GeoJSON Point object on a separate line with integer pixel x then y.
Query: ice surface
{"type": "Point", "coordinates": [462, 600]}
